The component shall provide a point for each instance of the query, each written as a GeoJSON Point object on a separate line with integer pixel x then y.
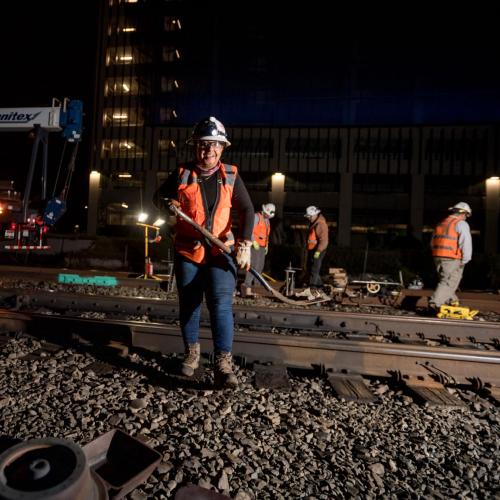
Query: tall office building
{"type": "Point", "coordinates": [316, 116]}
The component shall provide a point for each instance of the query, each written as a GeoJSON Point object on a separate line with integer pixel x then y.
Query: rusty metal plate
{"type": "Point", "coordinates": [350, 387]}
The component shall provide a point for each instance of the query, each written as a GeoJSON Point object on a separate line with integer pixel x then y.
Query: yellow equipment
{"type": "Point", "coordinates": [454, 312]}
{"type": "Point", "coordinates": [148, 265]}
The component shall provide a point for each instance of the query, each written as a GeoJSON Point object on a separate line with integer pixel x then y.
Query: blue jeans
{"type": "Point", "coordinates": [216, 279]}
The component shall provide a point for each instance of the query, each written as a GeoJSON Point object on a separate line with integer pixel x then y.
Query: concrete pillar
{"type": "Point", "coordinates": [417, 205]}
{"type": "Point", "coordinates": [345, 210]}
{"type": "Point", "coordinates": [93, 203]}
{"type": "Point", "coordinates": [492, 210]}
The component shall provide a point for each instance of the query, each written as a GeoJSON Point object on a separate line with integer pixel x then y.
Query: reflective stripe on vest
{"type": "Point", "coordinates": [445, 239]}
{"type": "Point", "coordinates": [187, 239]}
{"type": "Point", "coordinates": [261, 230]}
{"type": "Point", "coordinates": [312, 239]}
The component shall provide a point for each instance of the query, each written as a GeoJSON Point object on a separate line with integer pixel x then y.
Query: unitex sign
{"type": "Point", "coordinates": [27, 118]}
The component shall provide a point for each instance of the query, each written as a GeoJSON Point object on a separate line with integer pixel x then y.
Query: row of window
{"type": "Point", "coordinates": [133, 54]}
{"type": "Point", "coordinates": [121, 25]}
{"type": "Point", "coordinates": [309, 148]}
{"type": "Point", "coordinates": [133, 85]}
{"type": "Point", "coordinates": [134, 117]}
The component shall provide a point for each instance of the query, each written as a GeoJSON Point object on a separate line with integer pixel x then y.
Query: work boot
{"type": "Point", "coordinates": [191, 360]}
{"type": "Point", "coordinates": [223, 371]}
{"type": "Point", "coordinates": [432, 309]}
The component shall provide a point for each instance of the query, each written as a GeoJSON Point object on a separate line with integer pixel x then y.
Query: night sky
{"type": "Point", "coordinates": [48, 50]}
{"type": "Point", "coordinates": [451, 58]}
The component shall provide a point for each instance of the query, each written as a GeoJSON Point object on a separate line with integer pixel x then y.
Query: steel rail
{"type": "Point", "coordinates": [307, 322]}
{"type": "Point", "coordinates": [364, 357]}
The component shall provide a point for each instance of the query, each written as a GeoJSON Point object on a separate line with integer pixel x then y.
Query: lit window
{"type": "Point", "coordinates": [113, 117]}
{"type": "Point", "coordinates": [116, 148]}
{"type": "Point", "coordinates": [172, 23]}
{"type": "Point", "coordinates": [167, 115]}
{"type": "Point", "coordinates": [166, 145]}
{"type": "Point", "coordinates": [126, 55]}
{"type": "Point", "coordinates": [170, 54]}
{"type": "Point", "coordinates": [123, 86]}
{"type": "Point", "coordinates": [122, 27]}
{"type": "Point", "coordinates": [169, 84]}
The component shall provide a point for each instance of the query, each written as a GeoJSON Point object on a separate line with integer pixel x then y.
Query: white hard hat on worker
{"type": "Point", "coordinates": [462, 208]}
{"type": "Point", "coordinates": [312, 211]}
{"type": "Point", "coordinates": [269, 209]}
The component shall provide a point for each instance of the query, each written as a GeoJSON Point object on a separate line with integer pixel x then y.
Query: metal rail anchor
{"type": "Point", "coordinates": [226, 250]}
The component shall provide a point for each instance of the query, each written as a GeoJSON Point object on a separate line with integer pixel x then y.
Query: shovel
{"type": "Point", "coordinates": [219, 244]}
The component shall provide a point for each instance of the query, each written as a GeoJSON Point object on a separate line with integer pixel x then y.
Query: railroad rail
{"type": "Point", "coordinates": [371, 355]}
{"type": "Point", "coordinates": [319, 322]}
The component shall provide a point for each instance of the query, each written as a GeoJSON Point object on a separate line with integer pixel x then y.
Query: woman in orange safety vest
{"type": "Point", "coordinates": [207, 190]}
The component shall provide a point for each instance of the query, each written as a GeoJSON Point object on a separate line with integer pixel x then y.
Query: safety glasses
{"type": "Point", "coordinates": [209, 144]}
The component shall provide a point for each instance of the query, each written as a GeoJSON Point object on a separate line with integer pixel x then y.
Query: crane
{"type": "Point", "coordinates": [26, 229]}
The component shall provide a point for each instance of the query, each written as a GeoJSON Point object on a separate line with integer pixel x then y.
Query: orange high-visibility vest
{"type": "Point", "coordinates": [261, 230]}
{"type": "Point", "coordinates": [312, 239]}
{"type": "Point", "coordinates": [445, 239]}
{"type": "Point", "coordinates": [187, 239]}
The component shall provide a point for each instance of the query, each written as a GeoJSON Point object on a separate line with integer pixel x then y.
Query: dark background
{"type": "Point", "coordinates": [48, 49]}
{"type": "Point", "coordinates": [417, 64]}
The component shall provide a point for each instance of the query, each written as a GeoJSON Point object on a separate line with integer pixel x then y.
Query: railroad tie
{"type": "Point", "coordinates": [432, 393]}
{"type": "Point", "coordinates": [350, 387]}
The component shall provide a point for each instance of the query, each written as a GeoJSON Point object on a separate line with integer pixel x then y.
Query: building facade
{"type": "Point", "coordinates": [165, 65]}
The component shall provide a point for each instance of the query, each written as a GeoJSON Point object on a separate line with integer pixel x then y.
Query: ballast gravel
{"type": "Point", "coordinates": [254, 443]}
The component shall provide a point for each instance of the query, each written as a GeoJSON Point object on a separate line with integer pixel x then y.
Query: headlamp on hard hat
{"type": "Point", "coordinates": [209, 130]}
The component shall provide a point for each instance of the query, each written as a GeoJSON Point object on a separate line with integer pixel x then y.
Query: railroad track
{"type": "Point", "coordinates": [407, 348]}
{"type": "Point", "coordinates": [316, 323]}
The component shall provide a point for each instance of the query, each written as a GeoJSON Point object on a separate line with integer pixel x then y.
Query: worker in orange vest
{"type": "Point", "coordinates": [317, 243]}
{"type": "Point", "coordinates": [451, 246]}
{"type": "Point", "coordinates": [206, 190]}
{"type": "Point", "coordinates": [260, 245]}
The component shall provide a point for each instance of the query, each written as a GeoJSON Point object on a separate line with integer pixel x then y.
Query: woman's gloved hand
{"type": "Point", "coordinates": [316, 255]}
{"type": "Point", "coordinates": [243, 254]}
{"type": "Point", "coordinates": [256, 245]}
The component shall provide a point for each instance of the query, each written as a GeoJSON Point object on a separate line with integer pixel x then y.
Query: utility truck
{"type": "Point", "coordinates": [24, 226]}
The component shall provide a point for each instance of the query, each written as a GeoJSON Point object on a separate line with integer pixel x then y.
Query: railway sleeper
{"type": "Point", "coordinates": [431, 393]}
{"type": "Point", "coordinates": [351, 387]}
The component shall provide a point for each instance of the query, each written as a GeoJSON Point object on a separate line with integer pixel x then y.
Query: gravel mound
{"type": "Point", "coordinates": [249, 443]}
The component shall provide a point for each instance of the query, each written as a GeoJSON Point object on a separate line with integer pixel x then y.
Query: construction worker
{"type": "Point", "coordinates": [206, 189]}
{"type": "Point", "coordinates": [451, 246]}
{"type": "Point", "coordinates": [317, 243]}
{"type": "Point", "coordinates": [260, 245]}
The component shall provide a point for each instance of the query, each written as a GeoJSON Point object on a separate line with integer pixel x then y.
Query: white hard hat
{"type": "Point", "coordinates": [312, 211]}
{"type": "Point", "coordinates": [461, 207]}
{"type": "Point", "coordinates": [269, 209]}
{"type": "Point", "coordinates": [209, 129]}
